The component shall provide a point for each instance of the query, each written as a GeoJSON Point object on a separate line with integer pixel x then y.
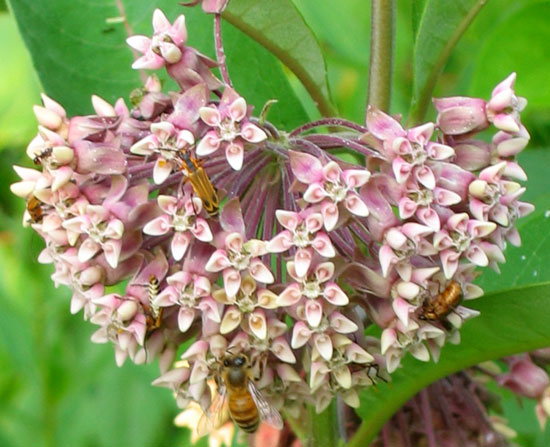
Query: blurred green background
{"type": "Point", "coordinates": [59, 389]}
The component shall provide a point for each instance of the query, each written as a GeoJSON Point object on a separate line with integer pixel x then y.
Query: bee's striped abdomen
{"type": "Point", "coordinates": [243, 410]}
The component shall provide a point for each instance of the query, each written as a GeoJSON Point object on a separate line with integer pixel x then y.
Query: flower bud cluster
{"type": "Point", "coordinates": [236, 236]}
{"type": "Point", "coordinates": [527, 376]}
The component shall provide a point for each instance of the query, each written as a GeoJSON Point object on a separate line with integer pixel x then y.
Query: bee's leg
{"type": "Point", "coordinates": [159, 318]}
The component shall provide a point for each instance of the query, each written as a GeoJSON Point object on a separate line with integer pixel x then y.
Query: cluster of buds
{"type": "Point", "coordinates": [526, 376]}
{"type": "Point", "coordinates": [237, 236]}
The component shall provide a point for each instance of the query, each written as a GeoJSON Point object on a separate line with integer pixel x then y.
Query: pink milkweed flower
{"type": "Point", "coordinates": [50, 149]}
{"type": "Point", "coordinates": [191, 293]}
{"type": "Point", "coordinates": [332, 356]}
{"type": "Point", "coordinates": [51, 115]}
{"type": "Point", "coordinates": [423, 202]}
{"type": "Point", "coordinates": [209, 6]}
{"type": "Point", "coordinates": [317, 329]}
{"type": "Point", "coordinates": [504, 107]}
{"type": "Point", "coordinates": [330, 186]}
{"type": "Point", "coordinates": [398, 339]}
{"type": "Point", "coordinates": [165, 45]}
{"type": "Point", "coordinates": [302, 232]}
{"type": "Point", "coordinates": [204, 356]}
{"type": "Point", "coordinates": [103, 230]}
{"type": "Point", "coordinates": [275, 342]}
{"type": "Point", "coordinates": [167, 48]}
{"type": "Point", "coordinates": [239, 255]}
{"type": "Point", "coordinates": [460, 115]}
{"type": "Point", "coordinates": [180, 216]}
{"type": "Point", "coordinates": [246, 308]}
{"type": "Point", "coordinates": [400, 244]}
{"type": "Point", "coordinates": [166, 141]}
{"type": "Point", "coordinates": [84, 279]}
{"type": "Point", "coordinates": [232, 129]}
{"type": "Point", "coordinates": [524, 377]}
{"type": "Point", "coordinates": [493, 198]}
{"type": "Point", "coordinates": [315, 285]}
{"type": "Point", "coordinates": [508, 145]}
{"type": "Point", "coordinates": [174, 379]}
{"type": "Point", "coordinates": [122, 323]}
{"type": "Point", "coordinates": [462, 236]}
{"type": "Point", "coordinates": [410, 151]}
{"type": "Point", "coordinates": [214, 6]}
{"type": "Point", "coordinates": [186, 109]}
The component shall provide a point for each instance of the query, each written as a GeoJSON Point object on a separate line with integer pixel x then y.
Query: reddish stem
{"type": "Point", "coordinates": [220, 54]}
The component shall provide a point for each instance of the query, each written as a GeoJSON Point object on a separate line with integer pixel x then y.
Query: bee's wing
{"type": "Point", "coordinates": [216, 415]}
{"type": "Point", "coordinates": [267, 412]}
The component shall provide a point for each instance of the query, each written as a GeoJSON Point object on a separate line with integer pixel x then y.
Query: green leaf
{"type": "Point", "coordinates": [18, 87]}
{"type": "Point", "coordinates": [517, 42]}
{"type": "Point", "coordinates": [526, 264]}
{"type": "Point", "coordinates": [417, 10]}
{"type": "Point", "coordinates": [511, 321]}
{"type": "Point", "coordinates": [440, 26]}
{"type": "Point", "coordinates": [261, 83]}
{"type": "Point", "coordinates": [77, 52]}
{"type": "Point", "coordinates": [278, 26]}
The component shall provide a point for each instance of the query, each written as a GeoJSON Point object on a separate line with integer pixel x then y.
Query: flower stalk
{"type": "Point", "coordinates": [381, 54]}
{"type": "Point", "coordinates": [220, 53]}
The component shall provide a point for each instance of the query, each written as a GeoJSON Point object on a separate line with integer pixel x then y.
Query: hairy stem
{"type": "Point", "coordinates": [328, 141]}
{"type": "Point", "coordinates": [220, 53]}
{"type": "Point", "coordinates": [381, 53]}
{"type": "Point", "coordinates": [129, 32]}
{"type": "Point", "coordinates": [327, 122]}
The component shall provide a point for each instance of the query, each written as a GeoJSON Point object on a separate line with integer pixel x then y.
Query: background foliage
{"type": "Point", "coordinates": [56, 387]}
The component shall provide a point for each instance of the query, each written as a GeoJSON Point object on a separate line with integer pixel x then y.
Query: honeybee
{"type": "Point", "coordinates": [443, 304]}
{"type": "Point", "coordinates": [35, 210]}
{"type": "Point", "coordinates": [246, 405]}
{"type": "Point", "coordinates": [200, 182]}
{"type": "Point", "coordinates": [154, 315]}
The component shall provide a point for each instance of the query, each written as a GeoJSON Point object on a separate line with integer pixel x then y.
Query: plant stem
{"type": "Point", "coordinates": [381, 53]}
{"type": "Point", "coordinates": [297, 426]}
{"type": "Point", "coordinates": [327, 122]}
{"type": "Point", "coordinates": [129, 32]}
{"type": "Point", "coordinates": [323, 427]}
{"type": "Point", "coordinates": [220, 53]}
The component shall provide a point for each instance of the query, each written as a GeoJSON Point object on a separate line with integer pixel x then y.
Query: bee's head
{"type": "Point", "coordinates": [235, 361]}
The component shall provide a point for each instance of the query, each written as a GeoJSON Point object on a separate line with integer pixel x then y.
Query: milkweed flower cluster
{"type": "Point", "coordinates": [306, 252]}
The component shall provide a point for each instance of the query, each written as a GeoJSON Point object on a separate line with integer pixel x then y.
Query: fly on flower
{"type": "Point", "coordinates": [35, 209]}
{"type": "Point", "coordinates": [443, 304]}
{"type": "Point", "coordinates": [247, 407]}
{"type": "Point", "coordinates": [200, 182]}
